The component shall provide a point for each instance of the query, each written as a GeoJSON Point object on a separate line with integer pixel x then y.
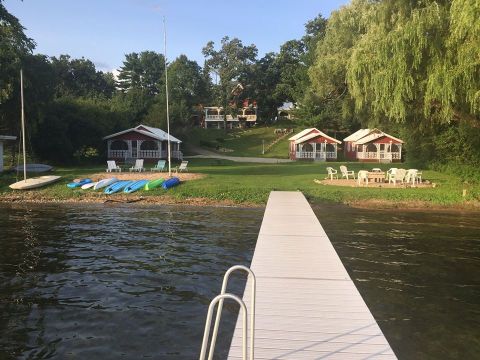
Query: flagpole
{"type": "Point", "coordinates": [166, 92]}
{"type": "Point", "coordinates": [23, 128]}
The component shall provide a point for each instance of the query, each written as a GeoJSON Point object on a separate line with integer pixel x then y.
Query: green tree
{"type": "Point", "coordinates": [228, 65]}
{"type": "Point", "coordinates": [14, 46]}
{"type": "Point", "coordinates": [142, 71]}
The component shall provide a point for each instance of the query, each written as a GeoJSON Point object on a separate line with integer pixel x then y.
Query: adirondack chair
{"type": "Point", "coordinates": [390, 172]}
{"type": "Point", "coordinates": [399, 175]}
{"type": "Point", "coordinates": [413, 176]}
{"type": "Point", "coordinates": [346, 173]}
{"type": "Point", "coordinates": [362, 176]}
{"type": "Point", "coordinates": [111, 166]}
{"type": "Point", "coordinates": [160, 166]}
{"type": "Point", "coordinates": [182, 167]}
{"type": "Point", "coordinates": [331, 172]}
{"type": "Point", "coordinates": [138, 166]}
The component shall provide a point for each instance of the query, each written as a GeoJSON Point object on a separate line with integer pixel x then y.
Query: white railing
{"type": "Point", "coordinates": [319, 155]}
{"type": "Point", "coordinates": [231, 118]}
{"type": "Point", "coordinates": [144, 154]}
{"type": "Point", "coordinates": [379, 155]}
{"type": "Point", "coordinates": [214, 118]}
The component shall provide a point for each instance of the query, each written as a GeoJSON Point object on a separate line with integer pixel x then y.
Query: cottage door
{"type": "Point", "coordinates": [134, 149]}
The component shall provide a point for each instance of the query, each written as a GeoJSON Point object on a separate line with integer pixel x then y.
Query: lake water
{"type": "Point", "coordinates": [120, 281]}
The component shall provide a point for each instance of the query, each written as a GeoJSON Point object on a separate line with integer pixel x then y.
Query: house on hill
{"type": "Point", "coordinates": [313, 144]}
{"type": "Point", "coordinates": [373, 145]}
{"type": "Point", "coordinates": [246, 116]}
{"type": "Point", "coordinates": [142, 142]}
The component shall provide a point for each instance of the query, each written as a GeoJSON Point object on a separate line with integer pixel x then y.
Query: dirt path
{"type": "Point", "coordinates": [207, 154]}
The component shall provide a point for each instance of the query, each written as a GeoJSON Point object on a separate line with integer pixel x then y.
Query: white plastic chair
{"type": "Point", "coordinates": [390, 172]}
{"type": "Point", "coordinates": [346, 173]}
{"type": "Point", "coordinates": [412, 176]}
{"type": "Point", "coordinates": [138, 166]}
{"type": "Point", "coordinates": [182, 167]}
{"type": "Point", "coordinates": [399, 175]}
{"type": "Point", "coordinates": [331, 172]}
{"type": "Point", "coordinates": [362, 176]}
{"type": "Point", "coordinates": [112, 166]}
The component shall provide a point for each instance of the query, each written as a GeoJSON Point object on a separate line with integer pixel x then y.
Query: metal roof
{"type": "Point", "coordinates": [302, 133]}
{"type": "Point", "coordinates": [152, 132]}
{"type": "Point", "coordinates": [376, 136]}
{"type": "Point", "coordinates": [357, 135]}
{"type": "Point", "coordinates": [314, 135]}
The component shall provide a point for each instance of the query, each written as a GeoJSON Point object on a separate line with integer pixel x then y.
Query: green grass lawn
{"type": "Point", "coordinates": [251, 183]}
{"type": "Point", "coordinates": [241, 142]}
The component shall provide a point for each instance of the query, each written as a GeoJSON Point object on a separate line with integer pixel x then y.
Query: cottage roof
{"type": "Point", "coordinates": [376, 136]}
{"type": "Point", "coordinates": [302, 133]}
{"type": "Point", "coordinates": [152, 132]}
{"type": "Point", "coordinates": [314, 135]}
{"type": "Point", "coordinates": [357, 135]}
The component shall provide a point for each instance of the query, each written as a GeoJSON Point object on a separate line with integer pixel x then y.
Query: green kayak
{"type": "Point", "coordinates": [154, 184]}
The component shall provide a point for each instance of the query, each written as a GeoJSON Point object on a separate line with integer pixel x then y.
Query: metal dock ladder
{"type": "Point", "coordinates": [220, 299]}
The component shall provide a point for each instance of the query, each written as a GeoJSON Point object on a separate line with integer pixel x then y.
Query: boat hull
{"type": "Point", "coordinates": [35, 168]}
{"type": "Point", "coordinates": [77, 184]}
{"type": "Point", "coordinates": [171, 183]}
{"type": "Point", "coordinates": [88, 186]}
{"type": "Point", "coordinates": [137, 185]}
{"type": "Point", "coordinates": [154, 184]}
{"type": "Point", "coordinates": [104, 183]}
{"type": "Point", "coordinates": [116, 187]}
{"type": "Point", "coordinates": [35, 182]}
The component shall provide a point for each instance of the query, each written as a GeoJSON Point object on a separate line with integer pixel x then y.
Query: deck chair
{"type": "Point", "coordinates": [160, 166]}
{"type": "Point", "coordinates": [111, 166]}
{"type": "Point", "coordinates": [346, 173]}
{"type": "Point", "coordinates": [390, 172]}
{"type": "Point", "coordinates": [411, 176]}
{"type": "Point", "coordinates": [138, 166]}
{"type": "Point", "coordinates": [362, 176]}
{"type": "Point", "coordinates": [331, 172]}
{"type": "Point", "coordinates": [399, 175]}
{"type": "Point", "coordinates": [182, 167]}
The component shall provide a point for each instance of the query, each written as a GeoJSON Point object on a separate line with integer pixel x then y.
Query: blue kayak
{"type": "Point", "coordinates": [139, 184]}
{"type": "Point", "coordinates": [170, 183]}
{"type": "Point", "coordinates": [116, 187]}
{"type": "Point", "coordinates": [79, 183]}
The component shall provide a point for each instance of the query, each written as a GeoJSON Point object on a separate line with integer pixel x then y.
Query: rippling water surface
{"type": "Point", "coordinates": [419, 273]}
{"type": "Point", "coordinates": [110, 282]}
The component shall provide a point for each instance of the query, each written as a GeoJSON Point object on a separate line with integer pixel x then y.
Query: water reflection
{"type": "Point", "coordinates": [111, 282]}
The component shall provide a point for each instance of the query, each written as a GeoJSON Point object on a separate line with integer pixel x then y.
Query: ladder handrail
{"type": "Point", "coordinates": [208, 323]}
{"type": "Point", "coordinates": [252, 308]}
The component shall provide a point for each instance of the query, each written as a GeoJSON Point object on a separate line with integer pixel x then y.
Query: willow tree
{"type": "Point", "coordinates": [419, 61]}
{"type": "Point", "coordinates": [329, 89]}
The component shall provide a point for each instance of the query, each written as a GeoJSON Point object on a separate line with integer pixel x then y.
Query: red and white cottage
{"type": "Point", "coordinates": [142, 142]}
{"type": "Point", "coordinates": [313, 144]}
{"type": "Point", "coordinates": [373, 145]}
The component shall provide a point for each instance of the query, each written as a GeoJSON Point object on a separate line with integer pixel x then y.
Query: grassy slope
{"type": "Point", "coordinates": [252, 183]}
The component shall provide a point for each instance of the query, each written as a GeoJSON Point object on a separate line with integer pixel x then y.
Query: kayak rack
{"type": "Point", "coordinates": [220, 299]}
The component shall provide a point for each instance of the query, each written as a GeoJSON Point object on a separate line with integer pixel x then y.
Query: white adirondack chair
{"type": "Point", "coordinates": [138, 166]}
{"type": "Point", "coordinates": [331, 172]}
{"type": "Point", "coordinates": [346, 173]}
{"type": "Point", "coordinates": [182, 167]}
{"type": "Point", "coordinates": [112, 166]}
{"type": "Point", "coordinates": [362, 176]}
{"type": "Point", "coordinates": [412, 176]}
{"type": "Point", "coordinates": [399, 175]}
{"type": "Point", "coordinates": [390, 172]}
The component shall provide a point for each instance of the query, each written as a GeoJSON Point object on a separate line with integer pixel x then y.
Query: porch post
{"type": "Point", "coordinates": [325, 150]}
{"type": "Point", "coordinates": [129, 152]}
{"type": "Point", "coordinates": [378, 151]}
{"type": "Point", "coordinates": [315, 150]}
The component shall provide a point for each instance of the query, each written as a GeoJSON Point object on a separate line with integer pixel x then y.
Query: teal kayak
{"type": "Point", "coordinates": [137, 185]}
{"type": "Point", "coordinates": [116, 187]}
{"type": "Point", "coordinates": [154, 184]}
{"type": "Point", "coordinates": [78, 183]}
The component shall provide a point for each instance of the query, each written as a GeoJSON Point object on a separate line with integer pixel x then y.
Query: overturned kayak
{"type": "Point", "coordinates": [153, 184]}
{"type": "Point", "coordinates": [136, 185]}
{"type": "Point", "coordinates": [105, 182]}
{"type": "Point", "coordinates": [116, 187]}
{"type": "Point", "coordinates": [171, 183]}
{"type": "Point", "coordinates": [79, 183]}
{"type": "Point", "coordinates": [88, 185]}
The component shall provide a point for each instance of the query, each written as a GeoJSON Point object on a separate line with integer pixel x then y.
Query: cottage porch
{"type": "Point", "coordinates": [316, 151]}
{"type": "Point", "coordinates": [142, 149]}
{"type": "Point", "coordinates": [379, 152]}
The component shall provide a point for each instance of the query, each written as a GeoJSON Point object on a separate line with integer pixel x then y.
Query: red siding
{"type": "Point", "coordinates": [385, 140]}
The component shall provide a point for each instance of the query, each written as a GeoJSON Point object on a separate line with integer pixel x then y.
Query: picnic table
{"type": "Point", "coordinates": [376, 176]}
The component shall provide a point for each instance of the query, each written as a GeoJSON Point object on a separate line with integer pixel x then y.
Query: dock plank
{"type": "Point", "coordinates": [307, 306]}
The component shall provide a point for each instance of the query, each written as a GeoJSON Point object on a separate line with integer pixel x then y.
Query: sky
{"type": "Point", "coordinates": [103, 31]}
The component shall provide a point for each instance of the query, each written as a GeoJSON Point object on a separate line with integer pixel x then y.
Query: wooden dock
{"type": "Point", "coordinates": [307, 306]}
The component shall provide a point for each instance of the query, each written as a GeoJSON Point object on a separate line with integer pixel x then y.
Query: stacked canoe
{"type": "Point", "coordinates": [114, 185]}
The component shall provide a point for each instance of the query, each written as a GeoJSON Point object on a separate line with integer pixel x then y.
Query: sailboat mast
{"type": "Point", "coordinates": [23, 129]}
{"type": "Point", "coordinates": [166, 92]}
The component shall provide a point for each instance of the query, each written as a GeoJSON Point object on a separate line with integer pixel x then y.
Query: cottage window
{"type": "Point", "coordinates": [119, 145]}
{"type": "Point", "coordinates": [371, 148]}
{"type": "Point", "coordinates": [149, 145]}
